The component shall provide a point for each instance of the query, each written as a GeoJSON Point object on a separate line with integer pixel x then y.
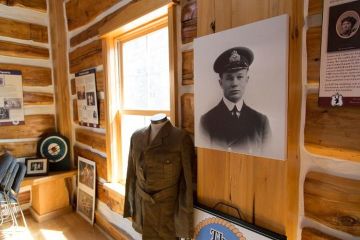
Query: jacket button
{"type": "Point", "coordinates": [167, 161]}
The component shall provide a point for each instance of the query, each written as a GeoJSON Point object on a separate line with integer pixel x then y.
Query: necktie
{"type": "Point", "coordinates": [235, 112]}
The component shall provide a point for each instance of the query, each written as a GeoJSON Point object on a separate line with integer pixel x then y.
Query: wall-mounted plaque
{"type": "Point", "coordinates": [86, 98]}
{"type": "Point", "coordinates": [212, 224]}
{"type": "Point", "coordinates": [11, 98]}
{"type": "Point", "coordinates": [340, 54]}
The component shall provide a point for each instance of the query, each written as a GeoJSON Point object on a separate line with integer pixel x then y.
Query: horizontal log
{"type": "Point", "coordinates": [23, 30]}
{"type": "Point", "coordinates": [115, 204]}
{"type": "Point", "coordinates": [115, 232]}
{"type": "Point", "coordinates": [38, 5]}
{"type": "Point", "coordinates": [187, 112]}
{"type": "Point", "coordinates": [85, 57]}
{"type": "Point", "coordinates": [339, 153]}
{"type": "Point", "coordinates": [313, 43]}
{"type": "Point", "coordinates": [333, 201]}
{"type": "Point", "coordinates": [31, 76]}
{"type": "Point", "coordinates": [101, 109]}
{"type": "Point", "coordinates": [99, 76]}
{"type": "Point", "coordinates": [23, 50]}
{"type": "Point", "coordinates": [101, 167]}
{"type": "Point", "coordinates": [80, 12]}
{"type": "Point", "coordinates": [313, 234]}
{"type": "Point", "coordinates": [36, 98]}
{"type": "Point", "coordinates": [93, 30]}
{"type": "Point", "coordinates": [92, 139]}
{"type": "Point", "coordinates": [35, 126]}
{"type": "Point", "coordinates": [188, 67]}
{"type": "Point", "coordinates": [75, 111]}
{"type": "Point", "coordinates": [24, 197]}
{"type": "Point", "coordinates": [331, 127]}
{"type": "Point", "coordinates": [315, 6]}
{"type": "Point", "coordinates": [20, 149]}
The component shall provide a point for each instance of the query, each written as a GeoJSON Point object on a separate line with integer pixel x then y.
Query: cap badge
{"type": "Point", "coordinates": [235, 57]}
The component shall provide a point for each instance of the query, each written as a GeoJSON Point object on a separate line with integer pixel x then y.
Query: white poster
{"type": "Point", "coordinates": [11, 98]}
{"type": "Point", "coordinates": [340, 54]}
{"type": "Point", "coordinates": [241, 89]}
{"type": "Point", "coordinates": [86, 98]}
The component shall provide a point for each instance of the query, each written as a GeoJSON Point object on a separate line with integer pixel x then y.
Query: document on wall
{"type": "Point", "coordinates": [11, 98]}
{"type": "Point", "coordinates": [86, 98]}
{"type": "Point", "coordinates": [340, 54]}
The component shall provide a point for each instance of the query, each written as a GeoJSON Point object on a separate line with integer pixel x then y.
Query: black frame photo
{"type": "Point", "coordinates": [37, 166]}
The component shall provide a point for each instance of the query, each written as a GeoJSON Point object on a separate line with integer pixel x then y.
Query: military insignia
{"type": "Point", "coordinates": [216, 228]}
{"type": "Point", "coordinates": [235, 57]}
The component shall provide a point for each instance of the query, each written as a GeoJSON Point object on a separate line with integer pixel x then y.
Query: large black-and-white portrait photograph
{"type": "Point", "coordinates": [241, 89]}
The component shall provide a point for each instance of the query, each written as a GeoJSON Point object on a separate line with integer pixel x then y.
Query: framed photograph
{"type": "Point", "coordinates": [241, 90]}
{"type": "Point", "coordinates": [37, 166]}
{"type": "Point", "coordinates": [86, 189]}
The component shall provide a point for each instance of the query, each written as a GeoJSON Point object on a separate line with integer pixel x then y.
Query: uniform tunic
{"type": "Point", "coordinates": [249, 132]}
{"type": "Point", "coordinates": [159, 190]}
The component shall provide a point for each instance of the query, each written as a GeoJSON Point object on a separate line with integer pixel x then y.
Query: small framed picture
{"type": "Point", "coordinates": [37, 166]}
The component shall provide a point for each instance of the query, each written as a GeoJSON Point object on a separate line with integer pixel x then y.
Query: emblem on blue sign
{"type": "Point", "coordinates": [217, 229]}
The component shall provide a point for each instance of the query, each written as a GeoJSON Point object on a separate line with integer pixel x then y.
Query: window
{"type": "Point", "coordinates": [140, 74]}
{"type": "Point", "coordinates": [144, 77]}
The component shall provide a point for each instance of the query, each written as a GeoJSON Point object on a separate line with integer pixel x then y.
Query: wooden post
{"type": "Point", "coordinates": [60, 67]}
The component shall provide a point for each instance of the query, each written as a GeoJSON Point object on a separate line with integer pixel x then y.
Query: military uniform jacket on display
{"type": "Point", "coordinates": [159, 184]}
{"type": "Point", "coordinates": [249, 132]}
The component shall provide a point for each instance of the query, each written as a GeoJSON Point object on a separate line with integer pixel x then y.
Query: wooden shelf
{"type": "Point", "coordinates": [51, 177]}
{"type": "Point", "coordinates": [339, 153]}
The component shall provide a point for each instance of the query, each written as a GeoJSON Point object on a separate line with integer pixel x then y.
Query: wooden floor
{"type": "Point", "coordinates": [66, 227]}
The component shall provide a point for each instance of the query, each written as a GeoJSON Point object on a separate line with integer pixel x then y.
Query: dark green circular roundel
{"type": "Point", "coordinates": [53, 148]}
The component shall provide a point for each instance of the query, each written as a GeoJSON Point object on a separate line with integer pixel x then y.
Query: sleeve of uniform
{"type": "Point", "coordinates": [184, 212]}
{"type": "Point", "coordinates": [129, 205]}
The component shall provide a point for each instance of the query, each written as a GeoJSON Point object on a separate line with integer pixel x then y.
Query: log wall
{"type": "Point", "coordinates": [25, 46]}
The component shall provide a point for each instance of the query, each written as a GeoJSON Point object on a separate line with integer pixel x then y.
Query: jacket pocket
{"type": "Point", "coordinates": [171, 166]}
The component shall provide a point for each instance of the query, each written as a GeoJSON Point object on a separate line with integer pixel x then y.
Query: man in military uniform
{"type": "Point", "coordinates": [233, 124]}
{"type": "Point", "coordinates": [159, 191]}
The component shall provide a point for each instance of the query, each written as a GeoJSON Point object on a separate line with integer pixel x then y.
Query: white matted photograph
{"type": "Point", "coordinates": [86, 205]}
{"type": "Point", "coordinates": [241, 89]}
{"type": "Point", "coordinates": [87, 173]}
{"type": "Point", "coordinates": [86, 189]}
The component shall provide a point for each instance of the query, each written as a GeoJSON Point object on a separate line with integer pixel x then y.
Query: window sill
{"type": "Point", "coordinates": [116, 190]}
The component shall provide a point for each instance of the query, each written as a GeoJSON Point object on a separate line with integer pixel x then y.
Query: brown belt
{"type": "Point", "coordinates": [153, 198]}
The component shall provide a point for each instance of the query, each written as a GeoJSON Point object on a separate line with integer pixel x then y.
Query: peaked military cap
{"type": "Point", "coordinates": [233, 59]}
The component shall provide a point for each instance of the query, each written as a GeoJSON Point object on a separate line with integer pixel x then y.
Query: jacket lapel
{"type": "Point", "coordinates": [159, 138]}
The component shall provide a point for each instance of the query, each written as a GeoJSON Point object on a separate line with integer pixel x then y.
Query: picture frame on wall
{"type": "Point", "coordinates": [86, 189]}
{"type": "Point", "coordinates": [36, 166]}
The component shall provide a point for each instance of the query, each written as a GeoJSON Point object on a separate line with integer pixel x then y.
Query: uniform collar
{"type": "Point", "coordinates": [230, 105]}
{"type": "Point", "coordinates": [158, 140]}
